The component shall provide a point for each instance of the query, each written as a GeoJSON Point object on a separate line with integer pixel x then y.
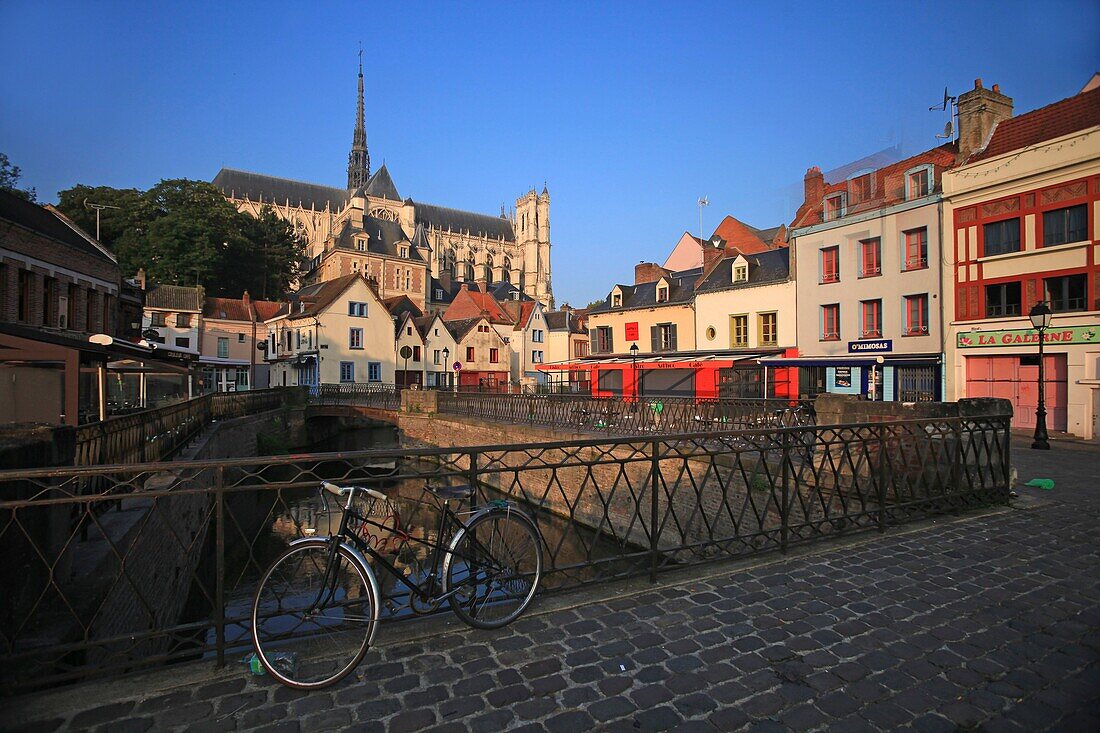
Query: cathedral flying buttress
{"type": "Point", "coordinates": [368, 227]}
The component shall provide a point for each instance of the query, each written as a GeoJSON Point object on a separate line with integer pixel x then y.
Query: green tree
{"type": "Point", "coordinates": [595, 303]}
{"type": "Point", "coordinates": [9, 178]}
{"type": "Point", "coordinates": [73, 203]}
{"type": "Point", "coordinates": [278, 252]}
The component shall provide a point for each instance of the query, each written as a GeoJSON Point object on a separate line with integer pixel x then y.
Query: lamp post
{"type": "Point", "coordinates": [634, 364]}
{"type": "Point", "coordinates": [1040, 317]}
{"type": "Point", "coordinates": [446, 364]}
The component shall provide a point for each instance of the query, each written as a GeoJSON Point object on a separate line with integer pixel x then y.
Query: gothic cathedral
{"type": "Point", "coordinates": [405, 246]}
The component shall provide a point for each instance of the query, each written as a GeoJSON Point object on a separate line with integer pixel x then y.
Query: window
{"type": "Point", "coordinates": [374, 371]}
{"type": "Point", "coordinates": [1063, 226]}
{"type": "Point", "coordinates": [156, 320]}
{"type": "Point", "coordinates": [242, 377]}
{"type": "Point", "coordinates": [1067, 293]}
{"type": "Point", "coordinates": [24, 310]}
{"type": "Point", "coordinates": [739, 330]}
{"type": "Point", "coordinates": [830, 265]}
{"type": "Point", "coordinates": [183, 342]}
{"type": "Point", "coordinates": [537, 335]}
{"type": "Point", "coordinates": [438, 294]}
{"type": "Point", "coordinates": [616, 300]}
{"type": "Point", "coordinates": [769, 328]}
{"type": "Point", "coordinates": [872, 318]}
{"type": "Point", "coordinates": [223, 348]}
{"type": "Point", "coordinates": [830, 322]}
{"type": "Point", "coordinates": [870, 260]}
{"type": "Point", "coordinates": [298, 339]}
{"type": "Point", "coordinates": [835, 206]}
{"type": "Point", "coordinates": [416, 353]}
{"type": "Point", "coordinates": [436, 357]}
{"type": "Point", "coordinates": [741, 273]}
{"type": "Point", "coordinates": [918, 183]}
{"type": "Point", "coordinates": [916, 315]}
{"type": "Point", "coordinates": [240, 338]}
{"type": "Point", "coordinates": [469, 353]}
{"type": "Point", "coordinates": [408, 279]}
{"type": "Point", "coordinates": [663, 337]}
{"type": "Point", "coordinates": [402, 251]}
{"type": "Point", "coordinates": [861, 188]}
{"type": "Point", "coordinates": [662, 294]}
{"type": "Point", "coordinates": [602, 341]}
{"type": "Point", "coordinates": [536, 357]}
{"type": "Point", "coordinates": [1000, 237]}
{"type": "Point", "coordinates": [355, 338]}
{"type": "Point", "coordinates": [358, 310]}
{"type": "Point", "coordinates": [183, 320]}
{"type": "Point", "coordinates": [916, 249]}
{"type": "Point", "coordinates": [347, 371]}
{"type": "Point", "coordinates": [1002, 299]}
{"type": "Point", "coordinates": [494, 356]}
{"type": "Point", "coordinates": [580, 348]}
{"type": "Point", "coordinates": [408, 330]}
{"type": "Point", "coordinates": [361, 245]}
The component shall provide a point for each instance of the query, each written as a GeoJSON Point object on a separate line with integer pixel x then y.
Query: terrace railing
{"type": "Point", "coordinates": [155, 434]}
{"type": "Point", "coordinates": [170, 575]}
{"type": "Point", "coordinates": [384, 396]}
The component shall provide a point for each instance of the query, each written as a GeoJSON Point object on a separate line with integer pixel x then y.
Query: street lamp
{"type": "Point", "coordinates": [1040, 317]}
{"type": "Point", "coordinates": [446, 363]}
{"type": "Point", "coordinates": [634, 364]}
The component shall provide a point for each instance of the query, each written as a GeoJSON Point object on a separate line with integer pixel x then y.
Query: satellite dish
{"type": "Point", "coordinates": [948, 131]}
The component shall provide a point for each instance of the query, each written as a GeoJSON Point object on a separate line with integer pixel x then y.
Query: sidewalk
{"type": "Point", "coordinates": [986, 622]}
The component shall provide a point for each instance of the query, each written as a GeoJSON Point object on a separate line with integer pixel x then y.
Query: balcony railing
{"type": "Point", "coordinates": [916, 263]}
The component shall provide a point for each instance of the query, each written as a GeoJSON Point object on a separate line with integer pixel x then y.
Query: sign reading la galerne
{"type": "Point", "coordinates": [873, 347]}
{"type": "Point", "coordinates": [1021, 336]}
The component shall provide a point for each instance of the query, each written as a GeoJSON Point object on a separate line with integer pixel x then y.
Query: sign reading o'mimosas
{"type": "Point", "coordinates": [1023, 336]}
{"type": "Point", "coordinates": [875, 346]}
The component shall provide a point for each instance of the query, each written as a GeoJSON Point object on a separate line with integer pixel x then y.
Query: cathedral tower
{"type": "Point", "coordinates": [359, 158]}
{"type": "Point", "coordinates": [532, 227]}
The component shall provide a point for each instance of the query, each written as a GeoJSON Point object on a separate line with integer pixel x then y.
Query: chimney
{"type": "Point", "coordinates": [814, 185]}
{"type": "Point", "coordinates": [648, 272]}
{"type": "Point", "coordinates": [445, 280]}
{"type": "Point", "coordinates": [711, 254]}
{"type": "Point", "coordinates": [246, 299]}
{"type": "Point", "coordinates": [979, 110]}
{"type": "Point", "coordinates": [482, 285]}
{"type": "Point", "coordinates": [139, 278]}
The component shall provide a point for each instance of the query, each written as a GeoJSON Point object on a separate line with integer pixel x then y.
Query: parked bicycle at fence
{"type": "Point", "coordinates": [316, 609]}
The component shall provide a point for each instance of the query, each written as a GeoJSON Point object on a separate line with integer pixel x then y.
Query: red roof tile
{"type": "Point", "coordinates": [1046, 123]}
{"type": "Point", "coordinates": [740, 236]}
{"type": "Point", "coordinates": [266, 309]}
{"type": "Point", "coordinates": [230, 309]}
{"type": "Point", "coordinates": [473, 304]}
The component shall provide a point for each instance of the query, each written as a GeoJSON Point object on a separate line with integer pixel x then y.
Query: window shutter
{"type": "Point", "coordinates": [610, 341]}
{"type": "Point", "coordinates": [592, 341]}
{"type": "Point", "coordinates": [672, 339]}
{"type": "Point", "coordinates": [655, 338]}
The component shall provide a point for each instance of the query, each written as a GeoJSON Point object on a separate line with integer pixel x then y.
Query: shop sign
{"type": "Point", "coordinates": [842, 376]}
{"type": "Point", "coordinates": [632, 331]}
{"type": "Point", "coordinates": [1024, 336]}
{"type": "Point", "coordinates": [863, 347]}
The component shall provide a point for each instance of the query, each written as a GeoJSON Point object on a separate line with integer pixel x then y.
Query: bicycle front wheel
{"type": "Point", "coordinates": [314, 615]}
{"type": "Point", "coordinates": [493, 567]}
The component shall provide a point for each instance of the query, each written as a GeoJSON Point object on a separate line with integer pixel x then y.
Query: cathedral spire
{"type": "Point", "coordinates": [359, 158]}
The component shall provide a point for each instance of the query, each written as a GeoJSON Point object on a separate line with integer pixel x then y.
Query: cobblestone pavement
{"type": "Point", "coordinates": [987, 622]}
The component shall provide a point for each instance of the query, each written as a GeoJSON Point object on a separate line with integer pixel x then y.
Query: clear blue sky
{"type": "Point", "coordinates": [629, 111]}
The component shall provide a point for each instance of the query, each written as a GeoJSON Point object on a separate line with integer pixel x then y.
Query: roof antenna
{"type": "Point", "coordinates": [949, 127]}
{"type": "Point", "coordinates": [703, 202]}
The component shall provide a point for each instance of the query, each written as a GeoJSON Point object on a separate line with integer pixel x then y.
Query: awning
{"type": "Point", "coordinates": [853, 360]}
{"type": "Point", "coordinates": [672, 361]}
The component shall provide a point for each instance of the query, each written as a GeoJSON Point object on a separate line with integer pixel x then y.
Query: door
{"type": "Point", "coordinates": [915, 383]}
{"type": "Point", "coordinates": [1015, 378]}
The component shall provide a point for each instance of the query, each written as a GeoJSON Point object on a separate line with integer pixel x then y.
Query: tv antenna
{"type": "Point", "coordinates": [949, 126]}
{"type": "Point", "coordinates": [98, 208]}
{"type": "Point", "coordinates": [703, 203]}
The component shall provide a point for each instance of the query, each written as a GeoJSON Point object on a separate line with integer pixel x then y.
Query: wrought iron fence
{"type": "Point", "coordinates": [385, 396]}
{"type": "Point", "coordinates": [152, 435]}
{"type": "Point", "coordinates": [169, 576]}
{"type": "Point", "coordinates": [618, 416]}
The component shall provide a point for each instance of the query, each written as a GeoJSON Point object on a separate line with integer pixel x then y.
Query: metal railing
{"type": "Point", "coordinates": [385, 396]}
{"type": "Point", "coordinates": [170, 576]}
{"type": "Point", "coordinates": [619, 416]}
{"type": "Point", "coordinates": [155, 434]}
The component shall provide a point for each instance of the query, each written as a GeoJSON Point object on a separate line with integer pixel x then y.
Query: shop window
{"type": "Point", "coordinates": [1067, 293]}
{"type": "Point", "coordinates": [1001, 237]}
{"type": "Point", "coordinates": [1002, 299]}
{"type": "Point", "coordinates": [1063, 226]}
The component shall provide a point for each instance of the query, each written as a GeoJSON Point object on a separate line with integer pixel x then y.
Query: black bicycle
{"type": "Point", "coordinates": [316, 609]}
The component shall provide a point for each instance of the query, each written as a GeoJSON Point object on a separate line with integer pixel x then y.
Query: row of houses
{"type": "Point", "coordinates": [906, 281]}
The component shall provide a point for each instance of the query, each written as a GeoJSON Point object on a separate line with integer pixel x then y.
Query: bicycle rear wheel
{"type": "Point", "coordinates": [312, 623]}
{"type": "Point", "coordinates": [494, 567]}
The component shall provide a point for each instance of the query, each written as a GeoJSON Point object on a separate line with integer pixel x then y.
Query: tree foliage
{"type": "Point", "coordinates": [9, 179]}
{"type": "Point", "coordinates": [185, 232]}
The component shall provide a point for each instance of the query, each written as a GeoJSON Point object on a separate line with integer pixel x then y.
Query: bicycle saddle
{"type": "Point", "coordinates": [464, 491]}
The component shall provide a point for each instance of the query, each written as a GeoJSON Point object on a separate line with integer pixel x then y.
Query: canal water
{"type": "Point", "coordinates": [265, 522]}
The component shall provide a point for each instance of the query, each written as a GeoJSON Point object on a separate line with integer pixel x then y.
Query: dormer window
{"type": "Point", "coordinates": [918, 182]}
{"type": "Point", "coordinates": [438, 294]}
{"type": "Point", "coordinates": [361, 244]}
{"type": "Point", "coordinates": [861, 188]}
{"type": "Point", "coordinates": [740, 273]}
{"type": "Point", "coordinates": [402, 251]}
{"type": "Point", "coordinates": [616, 300]}
{"type": "Point", "coordinates": [835, 206]}
{"type": "Point", "coordinates": [662, 294]}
